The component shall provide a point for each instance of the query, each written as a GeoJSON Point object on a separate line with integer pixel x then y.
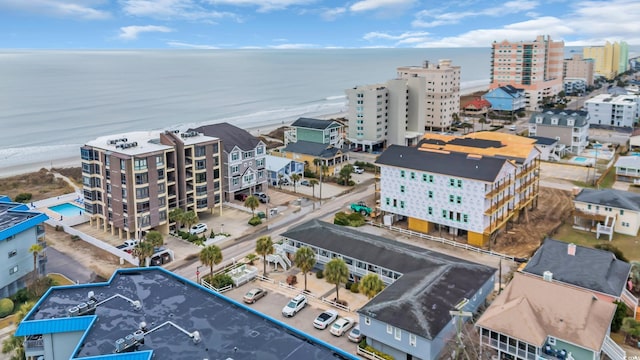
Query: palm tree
{"type": "Point", "coordinates": [252, 203]}
{"type": "Point", "coordinates": [317, 163]}
{"type": "Point", "coordinates": [155, 238]}
{"type": "Point", "coordinates": [280, 176]}
{"type": "Point", "coordinates": [264, 247]}
{"type": "Point", "coordinates": [176, 215]}
{"type": "Point", "coordinates": [345, 174]}
{"type": "Point", "coordinates": [211, 255]}
{"type": "Point", "coordinates": [35, 249]}
{"type": "Point", "coordinates": [371, 285]}
{"type": "Point", "coordinates": [15, 344]}
{"type": "Point", "coordinates": [142, 251]}
{"type": "Point", "coordinates": [295, 178]}
{"type": "Point", "coordinates": [336, 272]}
{"type": "Point", "coordinates": [190, 218]}
{"type": "Point", "coordinates": [313, 183]}
{"type": "Point", "coordinates": [305, 259]}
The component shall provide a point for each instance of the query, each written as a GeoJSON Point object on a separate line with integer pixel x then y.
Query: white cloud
{"type": "Point", "coordinates": [190, 46]}
{"type": "Point", "coordinates": [332, 14]}
{"type": "Point", "coordinates": [132, 32]}
{"type": "Point", "coordinates": [78, 9]}
{"type": "Point", "coordinates": [293, 46]}
{"type": "Point", "coordinates": [368, 5]}
{"type": "Point", "coordinates": [434, 18]}
{"type": "Point", "coordinates": [385, 36]}
{"type": "Point", "coordinates": [171, 9]}
{"type": "Point", "coordinates": [263, 5]}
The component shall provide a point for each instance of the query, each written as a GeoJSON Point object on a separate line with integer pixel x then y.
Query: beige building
{"type": "Point", "coordinates": [610, 59]}
{"type": "Point", "coordinates": [607, 211]}
{"type": "Point", "coordinates": [579, 68]}
{"type": "Point", "coordinates": [434, 93]}
{"type": "Point", "coordinates": [132, 181]}
{"type": "Point", "coordinates": [534, 66]}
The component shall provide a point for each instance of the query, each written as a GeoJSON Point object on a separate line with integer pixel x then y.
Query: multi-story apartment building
{"type": "Point", "coordinates": [574, 86]}
{"type": "Point", "coordinates": [131, 181]}
{"type": "Point", "coordinates": [244, 162]}
{"type": "Point", "coordinates": [610, 59]}
{"type": "Point", "coordinates": [20, 228]}
{"type": "Point", "coordinates": [613, 110]}
{"type": "Point", "coordinates": [329, 132]}
{"type": "Point", "coordinates": [579, 68]}
{"type": "Point", "coordinates": [434, 93]}
{"type": "Point", "coordinates": [535, 66]}
{"type": "Point", "coordinates": [569, 127]}
{"type": "Point", "coordinates": [468, 186]}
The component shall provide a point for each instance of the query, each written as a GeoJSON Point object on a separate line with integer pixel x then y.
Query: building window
{"type": "Point", "coordinates": [397, 334]}
{"type": "Point", "coordinates": [430, 210]}
{"type": "Point", "coordinates": [424, 177]}
{"type": "Point", "coordinates": [402, 174]}
{"type": "Point", "coordinates": [13, 270]}
{"type": "Point", "coordinates": [234, 169]}
{"type": "Point", "coordinates": [159, 161]}
{"type": "Point", "coordinates": [401, 204]}
{"type": "Point", "coordinates": [451, 198]}
{"type": "Point", "coordinates": [552, 340]}
{"type": "Point", "coordinates": [413, 175]}
{"type": "Point", "coordinates": [402, 189]}
{"type": "Point", "coordinates": [388, 201]}
{"type": "Point", "coordinates": [260, 162]}
{"type": "Point", "coordinates": [465, 218]}
{"type": "Point", "coordinates": [247, 154]}
{"type": "Point", "coordinates": [235, 156]}
{"type": "Point", "coordinates": [621, 212]}
{"type": "Point", "coordinates": [140, 164]}
{"type": "Point", "coordinates": [444, 213]}
{"type": "Point", "coordinates": [458, 199]}
{"type": "Point", "coordinates": [123, 164]}
{"type": "Point", "coordinates": [389, 329]}
{"type": "Point", "coordinates": [200, 151]}
{"type": "Point", "coordinates": [13, 253]}
{"type": "Point", "coordinates": [452, 182]}
{"type": "Point", "coordinates": [460, 184]}
{"type": "Point", "coordinates": [430, 194]}
{"type": "Point", "coordinates": [589, 206]}
{"type": "Point", "coordinates": [412, 340]}
{"type": "Point", "coordinates": [260, 150]}
{"type": "Point", "coordinates": [236, 181]}
{"type": "Point", "coordinates": [367, 320]}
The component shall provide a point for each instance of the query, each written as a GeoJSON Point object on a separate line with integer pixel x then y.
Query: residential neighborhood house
{"type": "Point", "coordinates": [477, 106]}
{"type": "Point", "coordinates": [20, 228]}
{"type": "Point", "coordinates": [410, 318]}
{"type": "Point", "coordinates": [243, 159]}
{"type": "Point", "coordinates": [506, 98]}
{"type": "Point", "coordinates": [606, 211]}
{"type": "Point", "coordinates": [535, 318]}
{"type": "Point", "coordinates": [628, 169]}
{"type": "Point", "coordinates": [569, 127]}
{"type": "Point", "coordinates": [550, 149]}
{"type": "Point", "coordinates": [315, 156]}
{"type": "Point", "coordinates": [132, 181]}
{"type": "Point", "coordinates": [279, 168]}
{"type": "Point", "coordinates": [634, 141]}
{"type": "Point", "coordinates": [152, 313]}
{"type": "Point", "coordinates": [329, 132]}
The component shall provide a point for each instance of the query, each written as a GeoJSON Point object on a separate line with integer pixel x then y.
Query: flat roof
{"type": "Point", "coordinates": [228, 329]}
{"type": "Point", "coordinates": [144, 142]}
{"type": "Point", "coordinates": [17, 217]}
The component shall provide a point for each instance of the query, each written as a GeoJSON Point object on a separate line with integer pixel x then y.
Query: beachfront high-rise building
{"type": "Point", "coordinates": [132, 181]}
{"type": "Point", "coordinates": [398, 111]}
{"type": "Point", "coordinates": [534, 66]}
{"type": "Point", "coordinates": [578, 68]}
{"type": "Point", "coordinates": [610, 59]}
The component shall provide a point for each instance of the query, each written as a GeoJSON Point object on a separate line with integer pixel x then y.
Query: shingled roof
{"type": "Point", "coordinates": [311, 148]}
{"type": "Point", "coordinates": [610, 197]}
{"type": "Point", "coordinates": [581, 118]}
{"type": "Point", "coordinates": [230, 135]}
{"type": "Point", "coordinates": [430, 286]}
{"type": "Point", "coordinates": [314, 123]}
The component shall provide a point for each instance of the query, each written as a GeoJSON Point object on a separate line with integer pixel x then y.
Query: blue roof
{"type": "Point", "coordinates": [17, 217]}
{"type": "Point", "coordinates": [52, 326]}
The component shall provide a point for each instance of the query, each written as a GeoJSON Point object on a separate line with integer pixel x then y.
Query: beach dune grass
{"type": "Point", "coordinates": [41, 185]}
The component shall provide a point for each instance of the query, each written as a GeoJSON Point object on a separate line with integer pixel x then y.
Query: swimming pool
{"type": "Point", "coordinates": [579, 159]}
{"type": "Point", "coordinates": [67, 209]}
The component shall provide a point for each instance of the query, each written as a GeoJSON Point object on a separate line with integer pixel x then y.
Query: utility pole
{"type": "Point", "coordinates": [460, 314]}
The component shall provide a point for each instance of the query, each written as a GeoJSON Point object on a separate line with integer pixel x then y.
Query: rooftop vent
{"type": "Point", "coordinates": [571, 249]}
{"type": "Point", "coordinates": [73, 311]}
{"type": "Point", "coordinates": [547, 276]}
{"type": "Point", "coordinates": [120, 345]}
{"type": "Point", "coordinates": [189, 134]}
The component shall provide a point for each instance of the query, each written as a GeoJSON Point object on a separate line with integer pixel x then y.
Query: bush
{"type": "Point", "coordinates": [309, 174]}
{"type": "Point", "coordinates": [341, 219]}
{"type": "Point", "coordinates": [353, 219]}
{"type": "Point", "coordinates": [355, 288]}
{"type": "Point", "coordinates": [21, 296]}
{"type": "Point", "coordinates": [221, 280]}
{"type": "Point", "coordinates": [612, 249]}
{"type": "Point", "coordinates": [22, 197]}
{"type": "Point", "coordinates": [618, 316]}
{"type": "Point", "coordinates": [193, 238]}
{"type": "Point", "coordinates": [348, 285]}
{"type": "Point", "coordinates": [378, 352]}
{"type": "Point", "coordinates": [6, 307]}
{"type": "Point", "coordinates": [319, 274]}
{"type": "Point", "coordinates": [255, 221]}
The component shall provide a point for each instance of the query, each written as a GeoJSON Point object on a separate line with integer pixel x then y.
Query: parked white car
{"type": "Point", "coordinates": [325, 319]}
{"type": "Point", "coordinates": [341, 326]}
{"type": "Point", "coordinates": [294, 306]}
{"type": "Point", "coordinates": [358, 170]}
{"type": "Point", "coordinates": [355, 335]}
{"type": "Point", "coordinates": [198, 229]}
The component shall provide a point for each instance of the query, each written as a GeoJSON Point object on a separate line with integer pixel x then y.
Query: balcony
{"type": "Point", "coordinates": [511, 349]}
{"type": "Point", "coordinates": [33, 346]}
{"type": "Point", "coordinates": [497, 206]}
{"type": "Point", "coordinates": [497, 190]}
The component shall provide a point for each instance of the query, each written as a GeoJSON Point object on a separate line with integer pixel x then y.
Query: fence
{"type": "Point", "coordinates": [368, 354]}
{"type": "Point", "coordinates": [209, 286]}
{"type": "Point", "coordinates": [335, 304]}
{"type": "Point", "coordinates": [442, 241]}
{"type": "Point", "coordinates": [265, 279]}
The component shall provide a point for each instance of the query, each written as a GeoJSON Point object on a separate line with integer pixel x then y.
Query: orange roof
{"type": "Point", "coordinates": [510, 146]}
{"type": "Point", "coordinates": [478, 103]}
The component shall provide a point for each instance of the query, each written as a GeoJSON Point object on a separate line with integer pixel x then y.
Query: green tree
{"type": "Point", "coordinates": [371, 285]}
{"type": "Point", "coordinates": [313, 183]}
{"type": "Point", "coordinates": [211, 255]}
{"type": "Point", "coordinates": [295, 178]}
{"type": "Point", "coordinates": [35, 249]}
{"type": "Point", "coordinates": [190, 218]}
{"type": "Point", "coordinates": [252, 203]}
{"type": "Point", "coordinates": [336, 272]}
{"type": "Point", "coordinates": [264, 247]}
{"type": "Point", "coordinates": [317, 165]}
{"type": "Point", "coordinates": [155, 238]}
{"type": "Point", "coordinates": [305, 259]}
{"type": "Point", "coordinates": [176, 215]}
{"type": "Point", "coordinates": [345, 174]}
{"type": "Point", "coordinates": [280, 176]}
{"type": "Point", "coordinates": [618, 316]}
{"type": "Point", "coordinates": [142, 251]}
{"type": "Point", "coordinates": [14, 345]}
{"type": "Point", "coordinates": [612, 249]}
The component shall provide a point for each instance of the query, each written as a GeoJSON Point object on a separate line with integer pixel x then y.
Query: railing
{"type": "Point", "coordinates": [613, 350]}
{"type": "Point", "coordinates": [443, 241]}
{"type": "Point", "coordinates": [335, 304]}
{"type": "Point", "coordinates": [32, 345]}
{"type": "Point", "coordinates": [209, 286]}
{"type": "Point", "coordinates": [510, 349]}
{"type": "Point", "coordinates": [265, 279]}
{"type": "Point", "coordinates": [498, 205]}
{"type": "Point", "coordinates": [631, 301]}
{"type": "Point", "coordinates": [367, 354]}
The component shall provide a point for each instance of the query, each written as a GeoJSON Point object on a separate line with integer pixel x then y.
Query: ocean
{"type": "Point", "coordinates": [52, 102]}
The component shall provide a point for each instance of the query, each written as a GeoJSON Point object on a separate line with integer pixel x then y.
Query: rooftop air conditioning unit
{"type": "Point", "coordinates": [82, 308]}
{"type": "Point", "coordinates": [120, 345]}
{"type": "Point", "coordinates": [129, 340]}
{"type": "Point", "coordinates": [138, 335]}
{"type": "Point", "coordinates": [547, 276]}
{"type": "Point", "coordinates": [73, 311]}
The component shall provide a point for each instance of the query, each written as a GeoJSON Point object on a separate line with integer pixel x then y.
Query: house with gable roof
{"type": "Point", "coordinates": [628, 169]}
{"type": "Point", "coordinates": [534, 318]}
{"type": "Point", "coordinates": [506, 98]}
{"type": "Point", "coordinates": [244, 163]}
{"type": "Point", "coordinates": [477, 106]}
{"type": "Point", "coordinates": [569, 127]}
{"type": "Point", "coordinates": [606, 211]}
{"type": "Point", "coordinates": [410, 318]}
{"type": "Point", "coordinates": [329, 132]}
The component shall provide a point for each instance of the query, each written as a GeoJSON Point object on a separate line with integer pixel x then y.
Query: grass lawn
{"type": "Point", "coordinates": [607, 181]}
{"type": "Point", "coordinates": [627, 244]}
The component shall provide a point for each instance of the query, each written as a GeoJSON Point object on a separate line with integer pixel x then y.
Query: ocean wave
{"type": "Point", "coordinates": [336, 97]}
{"type": "Point", "coordinates": [38, 154]}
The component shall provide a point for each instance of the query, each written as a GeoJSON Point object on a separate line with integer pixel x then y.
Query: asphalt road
{"type": "Point", "coordinates": [61, 263]}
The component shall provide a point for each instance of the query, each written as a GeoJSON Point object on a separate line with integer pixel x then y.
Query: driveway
{"type": "Point", "coordinates": [61, 263]}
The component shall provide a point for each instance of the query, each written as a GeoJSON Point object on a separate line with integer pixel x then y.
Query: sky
{"type": "Point", "coordinates": [310, 24]}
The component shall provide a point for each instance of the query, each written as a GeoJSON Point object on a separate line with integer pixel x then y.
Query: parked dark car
{"type": "Point", "coordinates": [240, 196]}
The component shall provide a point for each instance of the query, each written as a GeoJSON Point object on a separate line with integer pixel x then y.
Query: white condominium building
{"type": "Point", "coordinates": [613, 110]}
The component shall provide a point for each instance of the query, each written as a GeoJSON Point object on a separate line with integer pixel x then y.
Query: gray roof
{"type": "Point", "coordinates": [311, 148]}
{"type": "Point", "coordinates": [544, 140]}
{"type": "Point", "coordinates": [593, 269]}
{"type": "Point", "coordinates": [631, 162]}
{"type": "Point", "coordinates": [419, 301]}
{"type": "Point", "coordinates": [222, 323]}
{"type": "Point", "coordinates": [610, 197]}
{"type": "Point", "coordinates": [484, 168]}
{"type": "Point", "coordinates": [230, 136]}
{"type": "Point", "coordinates": [580, 117]}
{"type": "Point", "coordinates": [314, 123]}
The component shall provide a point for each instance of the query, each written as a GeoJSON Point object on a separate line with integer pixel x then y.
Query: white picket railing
{"type": "Point", "coordinates": [613, 350]}
{"type": "Point", "coordinates": [630, 300]}
{"type": "Point", "coordinates": [209, 286]}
